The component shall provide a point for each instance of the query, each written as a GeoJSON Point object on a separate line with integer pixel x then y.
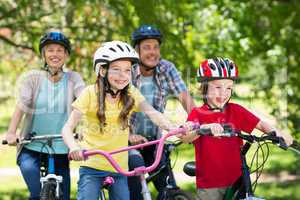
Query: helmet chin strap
{"type": "Point", "coordinates": [108, 88]}
{"type": "Point", "coordinates": [215, 108]}
{"type": "Point", "coordinates": [147, 68]}
{"type": "Point", "coordinates": [52, 72]}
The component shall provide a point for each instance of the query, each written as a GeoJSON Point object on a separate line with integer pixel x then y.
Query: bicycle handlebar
{"type": "Point", "coordinates": [229, 132]}
{"type": "Point", "coordinates": [143, 169]}
{"type": "Point", "coordinates": [31, 137]}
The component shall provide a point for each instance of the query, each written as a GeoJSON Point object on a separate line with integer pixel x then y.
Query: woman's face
{"type": "Point", "coordinates": [119, 74]}
{"type": "Point", "coordinates": [219, 92]}
{"type": "Point", "coordinates": [55, 56]}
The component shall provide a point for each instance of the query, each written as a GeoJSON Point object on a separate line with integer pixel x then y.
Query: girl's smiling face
{"type": "Point", "coordinates": [119, 74]}
{"type": "Point", "coordinates": [219, 92]}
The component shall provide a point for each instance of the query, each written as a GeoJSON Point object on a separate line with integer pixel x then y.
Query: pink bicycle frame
{"type": "Point", "coordinates": [143, 169]}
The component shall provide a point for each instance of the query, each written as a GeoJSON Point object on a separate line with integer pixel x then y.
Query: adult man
{"type": "Point", "coordinates": [157, 79]}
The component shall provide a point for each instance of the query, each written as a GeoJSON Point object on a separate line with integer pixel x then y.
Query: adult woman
{"type": "Point", "coordinates": [45, 96]}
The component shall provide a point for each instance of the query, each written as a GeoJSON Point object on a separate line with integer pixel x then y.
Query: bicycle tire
{"type": "Point", "coordinates": [48, 191]}
{"type": "Point", "coordinates": [179, 195]}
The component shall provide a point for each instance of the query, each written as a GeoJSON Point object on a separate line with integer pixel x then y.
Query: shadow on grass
{"type": "Point", "coordinates": [22, 194]}
{"type": "Point", "coordinates": [271, 191]}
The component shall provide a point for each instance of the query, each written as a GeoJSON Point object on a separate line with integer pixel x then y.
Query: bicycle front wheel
{"type": "Point", "coordinates": [48, 191]}
{"type": "Point", "coordinates": [179, 195]}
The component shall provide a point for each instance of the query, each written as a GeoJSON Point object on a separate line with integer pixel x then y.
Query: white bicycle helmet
{"type": "Point", "coordinates": [112, 51]}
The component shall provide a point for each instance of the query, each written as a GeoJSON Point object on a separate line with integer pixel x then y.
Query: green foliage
{"type": "Point", "coordinates": [262, 37]}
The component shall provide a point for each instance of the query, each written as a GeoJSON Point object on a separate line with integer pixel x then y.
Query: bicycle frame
{"type": "Point", "coordinates": [139, 171]}
{"type": "Point", "coordinates": [243, 185]}
{"type": "Point", "coordinates": [171, 182]}
{"type": "Point", "coordinates": [51, 176]}
{"type": "Point", "coordinates": [51, 170]}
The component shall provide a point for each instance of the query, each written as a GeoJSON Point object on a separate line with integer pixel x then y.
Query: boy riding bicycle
{"type": "Point", "coordinates": [218, 163]}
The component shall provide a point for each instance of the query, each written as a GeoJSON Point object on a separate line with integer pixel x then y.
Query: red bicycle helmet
{"type": "Point", "coordinates": [217, 68]}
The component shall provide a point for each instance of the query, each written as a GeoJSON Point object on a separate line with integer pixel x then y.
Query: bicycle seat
{"type": "Point", "coordinates": [190, 168]}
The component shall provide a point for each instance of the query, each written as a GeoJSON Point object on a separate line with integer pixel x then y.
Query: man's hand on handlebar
{"type": "Point", "coordinates": [137, 139]}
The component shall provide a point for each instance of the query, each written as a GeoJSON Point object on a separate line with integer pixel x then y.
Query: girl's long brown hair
{"type": "Point", "coordinates": [125, 99]}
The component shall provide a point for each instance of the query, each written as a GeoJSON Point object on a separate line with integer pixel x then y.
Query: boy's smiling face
{"type": "Point", "coordinates": [219, 92]}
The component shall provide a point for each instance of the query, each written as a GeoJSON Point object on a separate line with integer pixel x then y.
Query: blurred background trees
{"type": "Point", "coordinates": [262, 37]}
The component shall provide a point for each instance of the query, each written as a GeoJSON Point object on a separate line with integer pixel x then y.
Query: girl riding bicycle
{"type": "Point", "coordinates": [45, 96]}
{"type": "Point", "coordinates": [106, 107]}
{"type": "Point", "coordinates": [218, 163]}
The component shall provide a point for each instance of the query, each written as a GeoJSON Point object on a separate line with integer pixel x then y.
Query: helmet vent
{"type": "Point", "coordinates": [128, 48]}
{"type": "Point", "coordinates": [112, 49]}
{"type": "Point", "coordinates": [222, 64]}
{"type": "Point", "coordinates": [105, 56]}
{"type": "Point", "coordinates": [212, 66]}
{"type": "Point", "coordinates": [120, 47]}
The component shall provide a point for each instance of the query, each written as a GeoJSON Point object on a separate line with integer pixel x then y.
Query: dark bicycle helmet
{"type": "Point", "coordinates": [145, 32]}
{"type": "Point", "coordinates": [57, 38]}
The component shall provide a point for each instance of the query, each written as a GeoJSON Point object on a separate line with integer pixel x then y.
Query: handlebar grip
{"type": "Point", "coordinates": [4, 142]}
{"type": "Point", "coordinates": [295, 145]}
{"type": "Point", "coordinates": [282, 143]}
{"type": "Point", "coordinates": [205, 131]}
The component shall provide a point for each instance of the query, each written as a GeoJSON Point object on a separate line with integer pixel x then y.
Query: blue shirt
{"type": "Point", "coordinates": [50, 115]}
{"type": "Point", "coordinates": [168, 82]}
{"type": "Point", "coordinates": [144, 125]}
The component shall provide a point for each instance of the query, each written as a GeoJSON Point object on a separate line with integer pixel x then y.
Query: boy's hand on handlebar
{"type": "Point", "coordinates": [288, 139]}
{"type": "Point", "coordinates": [216, 129]}
{"type": "Point", "coordinates": [189, 135]}
{"type": "Point", "coordinates": [136, 139]}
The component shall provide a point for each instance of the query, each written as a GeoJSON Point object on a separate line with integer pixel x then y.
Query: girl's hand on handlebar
{"type": "Point", "coordinates": [76, 155]}
{"type": "Point", "coordinates": [189, 135]}
{"type": "Point", "coordinates": [11, 139]}
{"type": "Point", "coordinates": [136, 139]}
{"type": "Point", "coordinates": [288, 139]}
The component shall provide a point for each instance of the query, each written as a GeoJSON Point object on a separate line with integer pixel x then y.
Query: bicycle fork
{"type": "Point", "coordinates": [51, 176]}
{"type": "Point", "coordinates": [145, 190]}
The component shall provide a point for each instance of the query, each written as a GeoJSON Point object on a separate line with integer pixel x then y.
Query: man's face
{"type": "Point", "coordinates": [149, 51]}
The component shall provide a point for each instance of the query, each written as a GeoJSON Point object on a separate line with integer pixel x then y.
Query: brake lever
{"type": "Point", "coordinates": [279, 141]}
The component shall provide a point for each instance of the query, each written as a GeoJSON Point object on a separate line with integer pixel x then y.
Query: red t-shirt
{"type": "Point", "coordinates": [218, 162]}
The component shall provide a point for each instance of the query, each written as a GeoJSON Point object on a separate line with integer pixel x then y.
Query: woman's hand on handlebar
{"type": "Point", "coordinates": [11, 138]}
{"type": "Point", "coordinates": [136, 139]}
